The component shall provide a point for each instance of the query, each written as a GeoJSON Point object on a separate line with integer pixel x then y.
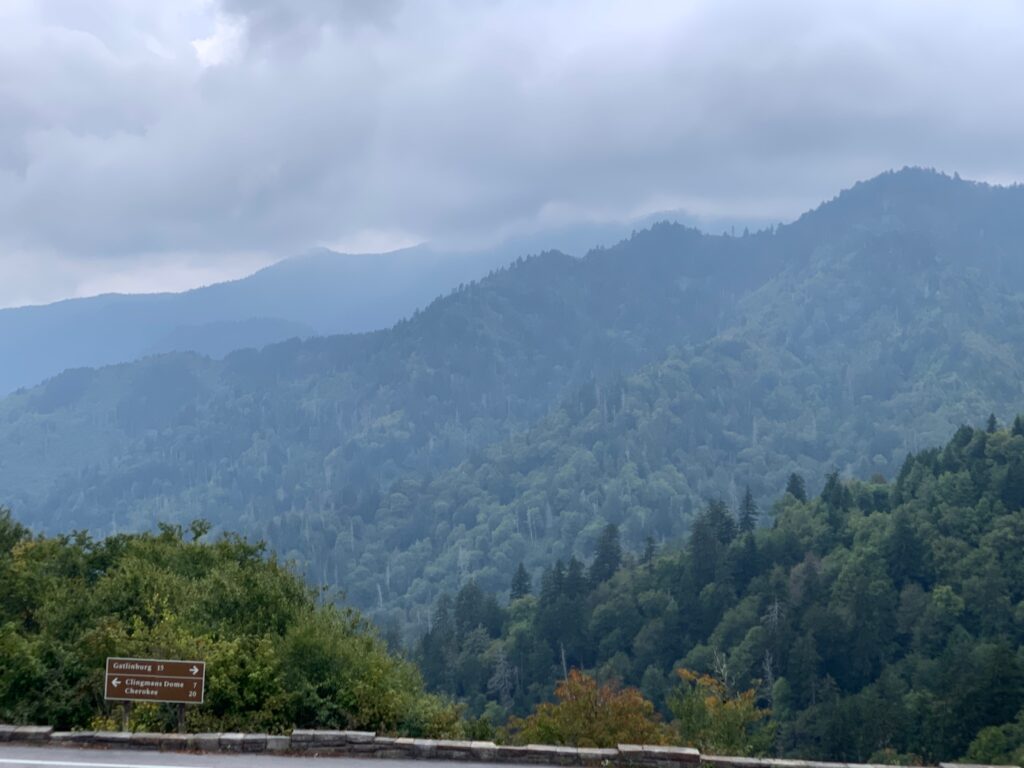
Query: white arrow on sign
{"type": "Point", "coordinates": [194, 670]}
{"type": "Point", "coordinates": [115, 682]}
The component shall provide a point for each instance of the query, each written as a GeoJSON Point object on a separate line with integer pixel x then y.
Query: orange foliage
{"type": "Point", "coordinates": [590, 715]}
{"type": "Point", "coordinates": [710, 718]}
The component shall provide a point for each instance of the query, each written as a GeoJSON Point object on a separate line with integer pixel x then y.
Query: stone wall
{"type": "Point", "coordinates": [369, 744]}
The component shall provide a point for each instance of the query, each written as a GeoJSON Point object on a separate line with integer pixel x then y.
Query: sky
{"type": "Point", "coordinates": [162, 144]}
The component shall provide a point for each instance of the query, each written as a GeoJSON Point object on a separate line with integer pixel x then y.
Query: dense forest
{"type": "Point", "coordinates": [877, 621]}
{"type": "Point", "coordinates": [515, 418]}
{"type": "Point", "coordinates": [873, 621]}
{"type": "Point", "coordinates": [278, 656]}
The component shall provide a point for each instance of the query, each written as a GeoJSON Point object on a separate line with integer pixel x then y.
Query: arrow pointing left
{"type": "Point", "coordinates": [115, 682]}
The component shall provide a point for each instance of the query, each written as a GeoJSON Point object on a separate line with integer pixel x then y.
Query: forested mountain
{"type": "Point", "coordinates": [320, 292]}
{"type": "Point", "coordinates": [516, 417]}
{"type": "Point", "coordinates": [355, 411]}
{"type": "Point", "coordinates": [879, 622]}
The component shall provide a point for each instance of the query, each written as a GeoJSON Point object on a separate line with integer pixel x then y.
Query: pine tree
{"type": "Point", "coordinates": [796, 488]}
{"type": "Point", "coordinates": [748, 512]}
{"type": "Point", "coordinates": [549, 620]}
{"type": "Point", "coordinates": [608, 556]}
{"type": "Point", "coordinates": [904, 550]}
{"type": "Point", "coordinates": [552, 582]}
{"type": "Point", "coordinates": [469, 609]}
{"type": "Point", "coordinates": [575, 581]}
{"type": "Point", "coordinates": [439, 646]}
{"type": "Point", "coordinates": [712, 531]}
{"type": "Point", "coordinates": [1018, 427]}
{"type": "Point", "coordinates": [835, 494]}
{"type": "Point", "coordinates": [520, 583]}
{"type": "Point", "coordinates": [722, 521]}
{"type": "Point", "coordinates": [748, 563]}
{"type": "Point", "coordinates": [704, 549]}
{"type": "Point", "coordinates": [992, 425]}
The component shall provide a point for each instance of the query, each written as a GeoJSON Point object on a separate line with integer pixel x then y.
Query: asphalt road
{"type": "Point", "coordinates": [71, 757]}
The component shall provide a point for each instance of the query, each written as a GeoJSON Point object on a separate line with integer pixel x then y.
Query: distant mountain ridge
{"type": "Point", "coordinates": [320, 292]}
{"type": "Point", "coordinates": [513, 418]}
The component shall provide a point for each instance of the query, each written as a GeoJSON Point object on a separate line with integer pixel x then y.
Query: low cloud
{"type": "Point", "coordinates": [132, 132]}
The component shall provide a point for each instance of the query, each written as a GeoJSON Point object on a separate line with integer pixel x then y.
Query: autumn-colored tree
{"type": "Point", "coordinates": [711, 718]}
{"type": "Point", "coordinates": [588, 714]}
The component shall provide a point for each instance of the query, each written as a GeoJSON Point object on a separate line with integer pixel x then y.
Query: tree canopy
{"type": "Point", "coordinates": [514, 419]}
{"type": "Point", "coordinates": [875, 621]}
{"type": "Point", "coordinates": [277, 656]}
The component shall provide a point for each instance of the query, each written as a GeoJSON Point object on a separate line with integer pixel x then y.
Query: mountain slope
{"type": "Point", "coordinates": [823, 373]}
{"type": "Point", "coordinates": [879, 622]}
{"type": "Point", "coordinates": [353, 411]}
{"type": "Point", "coordinates": [625, 387]}
{"type": "Point", "coordinates": [320, 292]}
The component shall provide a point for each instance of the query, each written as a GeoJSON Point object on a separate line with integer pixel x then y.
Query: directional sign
{"type": "Point", "coordinates": [161, 680]}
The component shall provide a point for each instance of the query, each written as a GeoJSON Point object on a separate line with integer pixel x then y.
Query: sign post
{"type": "Point", "coordinates": [168, 681]}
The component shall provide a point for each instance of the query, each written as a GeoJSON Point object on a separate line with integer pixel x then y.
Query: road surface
{"type": "Point", "coordinates": [71, 757]}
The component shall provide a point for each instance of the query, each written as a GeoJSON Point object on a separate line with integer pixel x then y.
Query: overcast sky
{"type": "Point", "coordinates": [160, 144]}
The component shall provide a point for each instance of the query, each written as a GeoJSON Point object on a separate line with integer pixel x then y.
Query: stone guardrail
{"type": "Point", "coordinates": [369, 744]}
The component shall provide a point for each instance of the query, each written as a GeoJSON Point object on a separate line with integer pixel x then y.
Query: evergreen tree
{"type": "Point", "coordinates": [1018, 427]}
{"type": "Point", "coordinates": [608, 556]}
{"type": "Point", "coordinates": [713, 530]}
{"type": "Point", "coordinates": [796, 488]}
{"type": "Point", "coordinates": [722, 521]}
{"type": "Point", "coordinates": [439, 646]}
{"type": "Point", "coordinates": [748, 512]}
{"type": "Point", "coordinates": [904, 550]}
{"type": "Point", "coordinates": [704, 549]}
{"type": "Point", "coordinates": [469, 609]}
{"type": "Point", "coordinates": [1013, 485]}
{"type": "Point", "coordinates": [835, 494]}
{"type": "Point", "coordinates": [992, 425]}
{"type": "Point", "coordinates": [520, 583]}
{"type": "Point", "coordinates": [552, 582]}
{"type": "Point", "coordinates": [548, 621]}
{"type": "Point", "coordinates": [650, 550]}
{"type": "Point", "coordinates": [748, 564]}
{"type": "Point", "coordinates": [575, 580]}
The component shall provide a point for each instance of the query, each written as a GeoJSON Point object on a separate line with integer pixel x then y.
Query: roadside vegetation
{"type": "Point", "coordinates": [877, 621]}
{"type": "Point", "coordinates": [277, 655]}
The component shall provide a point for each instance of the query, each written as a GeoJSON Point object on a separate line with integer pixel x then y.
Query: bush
{"type": "Point", "coordinates": [276, 659]}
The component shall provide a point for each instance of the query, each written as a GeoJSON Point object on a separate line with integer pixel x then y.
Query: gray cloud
{"type": "Point", "coordinates": [289, 25]}
{"type": "Point", "coordinates": [143, 133]}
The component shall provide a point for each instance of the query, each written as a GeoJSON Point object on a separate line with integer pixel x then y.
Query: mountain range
{"type": "Point", "coordinates": [320, 292]}
{"type": "Point", "coordinates": [515, 417]}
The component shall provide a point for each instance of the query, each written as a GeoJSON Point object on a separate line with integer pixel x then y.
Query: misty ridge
{"type": "Point", "coordinates": [317, 293]}
{"type": "Point", "coordinates": [667, 440]}
{"type": "Point", "coordinates": [528, 410]}
{"type": "Point", "coordinates": [504, 381]}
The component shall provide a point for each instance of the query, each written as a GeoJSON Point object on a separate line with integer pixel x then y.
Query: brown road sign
{"type": "Point", "coordinates": [160, 680]}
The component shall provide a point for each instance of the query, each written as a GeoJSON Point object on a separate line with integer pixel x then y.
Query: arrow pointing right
{"type": "Point", "coordinates": [194, 670]}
